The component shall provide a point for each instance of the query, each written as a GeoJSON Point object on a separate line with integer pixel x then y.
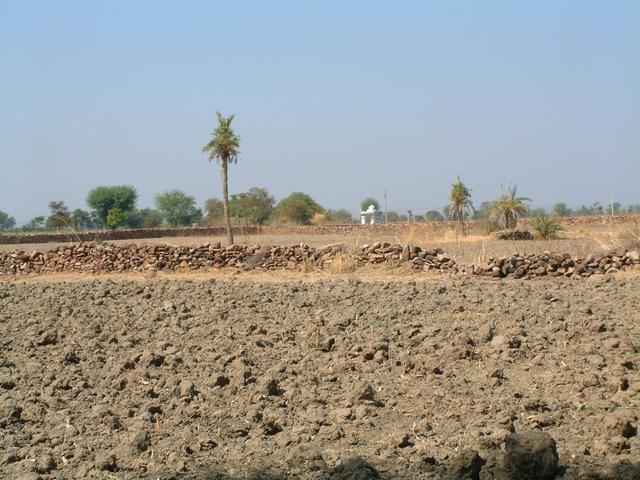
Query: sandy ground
{"type": "Point", "coordinates": [237, 377]}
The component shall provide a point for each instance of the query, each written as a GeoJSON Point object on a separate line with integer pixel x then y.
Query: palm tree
{"type": "Point", "coordinates": [509, 207]}
{"type": "Point", "coordinates": [459, 203]}
{"type": "Point", "coordinates": [223, 147]}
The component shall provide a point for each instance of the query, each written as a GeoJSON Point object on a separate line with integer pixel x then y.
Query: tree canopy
{"type": "Point", "coordinates": [433, 216]}
{"type": "Point", "coordinates": [177, 208]}
{"type": "Point", "coordinates": [297, 208]}
{"type": "Point", "coordinates": [253, 207]}
{"type": "Point", "coordinates": [104, 198]}
{"type": "Point", "coordinates": [116, 217]}
{"type": "Point", "coordinates": [59, 216]}
{"type": "Point", "coordinates": [367, 202]}
{"type": "Point", "coordinates": [81, 219]}
{"type": "Point", "coordinates": [7, 222]}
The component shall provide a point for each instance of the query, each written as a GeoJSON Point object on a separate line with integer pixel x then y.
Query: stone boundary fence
{"type": "Point", "coordinates": [142, 233]}
{"type": "Point", "coordinates": [108, 258]}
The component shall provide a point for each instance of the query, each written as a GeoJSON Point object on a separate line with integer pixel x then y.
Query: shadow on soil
{"type": "Point", "coordinates": [359, 469]}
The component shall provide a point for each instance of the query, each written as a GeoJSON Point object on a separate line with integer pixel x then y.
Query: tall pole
{"type": "Point", "coordinates": [386, 210]}
{"type": "Point", "coordinates": [611, 205]}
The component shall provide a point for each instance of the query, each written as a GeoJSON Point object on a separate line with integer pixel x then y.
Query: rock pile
{"type": "Point", "coordinates": [514, 235]}
{"type": "Point", "coordinates": [106, 258]}
{"type": "Point", "coordinates": [426, 260]}
{"type": "Point", "coordinates": [557, 265]}
{"type": "Point", "coordinates": [94, 258]}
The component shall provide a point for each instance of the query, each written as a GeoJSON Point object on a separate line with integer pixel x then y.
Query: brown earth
{"type": "Point", "coordinates": [332, 378]}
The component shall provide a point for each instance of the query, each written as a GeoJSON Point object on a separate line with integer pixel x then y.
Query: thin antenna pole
{"type": "Point", "coordinates": [612, 206]}
{"type": "Point", "coordinates": [386, 210]}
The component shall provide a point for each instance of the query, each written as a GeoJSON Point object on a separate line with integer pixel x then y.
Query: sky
{"type": "Point", "coordinates": [340, 100]}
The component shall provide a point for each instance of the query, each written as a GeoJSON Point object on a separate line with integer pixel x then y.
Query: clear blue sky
{"type": "Point", "coordinates": [336, 99]}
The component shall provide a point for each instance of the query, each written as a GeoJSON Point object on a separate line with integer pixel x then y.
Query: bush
{"type": "Point", "coordinates": [547, 227]}
{"type": "Point", "coordinates": [298, 208]}
{"type": "Point", "coordinates": [116, 217]}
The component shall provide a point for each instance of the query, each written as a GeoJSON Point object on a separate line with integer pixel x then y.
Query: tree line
{"type": "Point", "coordinates": [116, 207]}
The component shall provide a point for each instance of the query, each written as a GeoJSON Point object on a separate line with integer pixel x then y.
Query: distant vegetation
{"type": "Point", "coordinates": [115, 207]}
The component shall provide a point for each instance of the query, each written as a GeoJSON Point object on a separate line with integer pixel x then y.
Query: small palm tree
{"type": "Point", "coordinates": [509, 207]}
{"type": "Point", "coordinates": [224, 148]}
{"type": "Point", "coordinates": [547, 227]}
{"type": "Point", "coordinates": [459, 203]}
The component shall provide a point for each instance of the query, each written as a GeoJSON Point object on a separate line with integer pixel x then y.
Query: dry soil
{"type": "Point", "coordinates": [236, 378]}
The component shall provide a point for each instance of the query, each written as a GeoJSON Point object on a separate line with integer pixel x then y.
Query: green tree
{"type": "Point", "coordinates": [433, 216]}
{"type": "Point", "coordinates": [224, 147]}
{"type": "Point", "coordinates": [460, 204]}
{"type": "Point", "coordinates": [367, 202]}
{"type": "Point", "coordinates": [144, 218]}
{"type": "Point", "coordinates": [59, 216]}
{"type": "Point", "coordinates": [81, 219]}
{"type": "Point", "coordinates": [36, 223]}
{"type": "Point", "coordinates": [297, 208]}
{"type": "Point", "coordinates": [116, 217]}
{"type": "Point", "coordinates": [254, 206]}
{"type": "Point", "coordinates": [560, 210]}
{"type": "Point", "coordinates": [7, 222]}
{"type": "Point", "coordinates": [509, 207]}
{"type": "Point", "coordinates": [178, 208]}
{"type": "Point", "coordinates": [102, 199]}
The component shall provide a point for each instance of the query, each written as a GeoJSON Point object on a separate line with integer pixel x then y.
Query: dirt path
{"type": "Point", "coordinates": [229, 378]}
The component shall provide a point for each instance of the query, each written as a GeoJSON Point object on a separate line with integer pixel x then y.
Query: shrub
{"type": "Point", "coordinates": [116, 217]}
{"type": "Point", "coordinates": [547, 227]}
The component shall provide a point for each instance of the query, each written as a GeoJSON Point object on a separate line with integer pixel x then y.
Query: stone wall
{"type": "Point", "coordinates": [108, 258]}
{"type": "Point", "coordinates": [140, 233]}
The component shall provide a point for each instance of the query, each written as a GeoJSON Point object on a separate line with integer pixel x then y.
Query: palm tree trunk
{"type": "Point", "coordinates": [225, 200]}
